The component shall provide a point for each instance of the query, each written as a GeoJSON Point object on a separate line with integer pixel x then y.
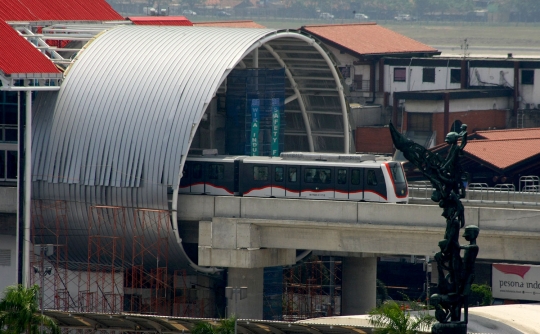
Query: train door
{"type": "Point", "coordinates": [317, 182]}
{"type": "Point", "coordinates": [278, 180]}
{"type": "Point", "coordinates": [374, 185]}
{"type": "Point", "coordinates": [257, 180]}
{"type": "Point", "coordinates": [292, 181]}
{"type": "Point", "coordinates": [341, 181]}
{"type": "Point", "coordinates": [219, 178]}
{"type": "Point", "coordinates": [197, 177]}
{"type": "Point", "coordinates": [356, 184]}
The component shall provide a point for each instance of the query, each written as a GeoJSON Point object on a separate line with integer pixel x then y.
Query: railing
{"type": "Point", "coordinates": [481, 193]}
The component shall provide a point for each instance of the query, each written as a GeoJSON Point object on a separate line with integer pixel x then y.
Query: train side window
{"type": "Point", "coordinates": [371, 178]}
{"type": "Point", "coordinates": [355, 177]}
{"type": "Point", "coordinates": [217, 172]}
{"type": "Point", "coordinates": [292, 174]}
{"type": "Point", "coordinates": [279, 174]}
{"type": "Point", "coordinates": [197, 171]}
{"type": "Point", "coordinates": [185, 172]}
{"type": "Point", "coordinates": [260, 173]}
{"type": "Point", "coordinates": [342, 176]}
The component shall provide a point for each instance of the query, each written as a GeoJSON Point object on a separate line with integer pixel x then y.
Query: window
{"type": "Point", "coordinates": [197, 171]}
{"type": "Point", "coordinates": [455, 75]}
{"type": "Point", "coordinates": [527, 77]}
{"type": "Point", "coordinates": [397, 173]}
{"type": "Point", "coordinates": [342, 176]}
{"type": "Point", "coordinates": [428, 75]}
{"type": "Point", "coordinates": [358, 82]}
{"type": "Point", "coordinates": [260, 173]}
{"type": "Point", "coordinates": [400, 74]}
{"type": "Point", "coordinates": [217, 172]}
{"type": "Point", "coordinates": [355, 177]}
{"type": "Point", "coordinates": [371, 178]}
{"type": "Point", "coordinates": [279, 174]}
{"type": "Point", "coordinates": [292, 174]}
{"type": "Point", "coordinates": [318, 175]}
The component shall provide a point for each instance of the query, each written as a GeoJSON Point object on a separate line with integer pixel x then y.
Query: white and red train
{"type": "Point", "coordinates": [351, 177]}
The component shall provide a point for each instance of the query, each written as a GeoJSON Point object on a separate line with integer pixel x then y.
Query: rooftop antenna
{"type": "Point", "coordinates": [465, 48]}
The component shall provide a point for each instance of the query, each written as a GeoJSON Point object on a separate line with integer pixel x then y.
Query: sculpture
{"type": "Point", "coordinates": [456, 273]}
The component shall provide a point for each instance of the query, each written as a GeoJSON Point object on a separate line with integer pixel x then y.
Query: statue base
{"type": "Point", "coordinates": [449, 328]}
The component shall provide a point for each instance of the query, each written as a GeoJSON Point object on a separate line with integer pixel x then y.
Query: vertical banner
{"type": "Point", "coordinates": [255, 114]}
{"type": "Point", "coordinates": [276, 121]}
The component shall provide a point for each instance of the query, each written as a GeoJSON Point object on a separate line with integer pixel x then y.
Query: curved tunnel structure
{"type": "Point", "coordinates": [112, 143]}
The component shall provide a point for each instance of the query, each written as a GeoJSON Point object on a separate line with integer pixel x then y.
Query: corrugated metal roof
{"type": "Point", "coordinates": [57, 10]}
{"type": "Point", "coordinates": [160, 20]}
{"type": "Point", "coordinates": [130, 105]}
{"type": "Point", "coordinates": [367, 38]}
{"type": "Point", "coordinates": [230, 24]}
{"type": "Point", "coordinates": [19, 56]}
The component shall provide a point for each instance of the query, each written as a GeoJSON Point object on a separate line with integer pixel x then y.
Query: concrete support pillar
{"type": "Point", "coordinates": [252, 306]}
{"type": "Point", "coordinates": [359, 284]}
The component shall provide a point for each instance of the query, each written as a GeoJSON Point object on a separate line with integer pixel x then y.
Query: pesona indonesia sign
{"type": "Point", "coordinates": [514, 281]}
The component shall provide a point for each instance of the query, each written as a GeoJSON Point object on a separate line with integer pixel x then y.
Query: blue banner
{"type": "Point", "coordinates": [276, 121]}
{"type": "Point", "coordinates": [255, 115]}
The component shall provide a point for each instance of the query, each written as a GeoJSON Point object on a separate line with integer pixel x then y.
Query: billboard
{"type": "Point", "coordinates": [515, 281]}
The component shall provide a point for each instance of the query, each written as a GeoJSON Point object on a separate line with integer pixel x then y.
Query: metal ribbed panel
{"type": "Point", "coordinates": [129, 107]}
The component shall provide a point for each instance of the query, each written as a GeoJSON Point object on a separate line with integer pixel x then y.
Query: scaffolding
{"type": "Point", "coordinates": [312, 289]}
{"type": "Point", "coordinates": [190, 299]}
{"type": "Point", "coordinates": [50, 251]}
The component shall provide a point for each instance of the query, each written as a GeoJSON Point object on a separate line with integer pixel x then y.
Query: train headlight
{"type": "Point", "coordinates": [402, 191]}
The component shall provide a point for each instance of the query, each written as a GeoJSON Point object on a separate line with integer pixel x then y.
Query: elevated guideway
{"type": "Point", "coordinates": [236, 231]}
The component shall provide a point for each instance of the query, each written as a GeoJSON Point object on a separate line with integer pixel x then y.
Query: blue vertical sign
{"type": "Point", "coordinates": [276, 121]}
{"type": "Point", "coordinates": [255, 114]}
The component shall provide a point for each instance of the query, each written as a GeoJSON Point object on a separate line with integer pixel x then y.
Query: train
{"type": "Point", "coordinates": [351, 177]}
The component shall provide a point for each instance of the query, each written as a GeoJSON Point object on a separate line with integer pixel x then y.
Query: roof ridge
{"type": "Point", "coordinates": [342, 24]}
{"type": "Point", "coordinates": [502, 139]}
{"type": "Point", "coordinates": [508, 130]}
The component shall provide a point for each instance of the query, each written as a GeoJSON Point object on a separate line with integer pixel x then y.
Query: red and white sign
{"type": "Point", "coordinates": [514, 281]}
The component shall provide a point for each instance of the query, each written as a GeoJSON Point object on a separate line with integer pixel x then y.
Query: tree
{"type": "Point", "coordinates": [226, 326]}
{"type": "Point", "coordinates": [19, 312]}
{"type": "Point", "coordinates": [480, 295]}
{"type": "Point", "coordinates": [390, 318]}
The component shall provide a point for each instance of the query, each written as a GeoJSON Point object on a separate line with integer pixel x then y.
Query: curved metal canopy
{"type": "Point", "coordinates": [119, 130]}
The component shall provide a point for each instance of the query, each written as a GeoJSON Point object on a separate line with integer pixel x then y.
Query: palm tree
{"type": "Point", "coordinates": [390, 318]}
{"type": "Point", "coordinates": [19, 312]}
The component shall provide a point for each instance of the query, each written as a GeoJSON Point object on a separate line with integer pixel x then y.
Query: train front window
{"type": "Point", "coordinates": [260, 173]}
{"type": "Point", "coordinates": [397, 173]}
{"type": "Point", "coordinates": [217, 172]}
{"type": "Point", "coordinates": [279, 174]}
{"type": "Point", "coordinates": [197, 171]}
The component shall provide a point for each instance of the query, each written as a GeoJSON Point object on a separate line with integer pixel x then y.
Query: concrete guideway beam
{"type": "Point", "coordinates": [500, 245]}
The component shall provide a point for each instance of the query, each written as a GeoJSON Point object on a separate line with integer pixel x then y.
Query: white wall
{"type": "Point", "coordinates": [481, 76]}
{"type": "Point", "coordinates": [414, 79]}
{"type": "Point", "coordinates": [8, 274]}
{"type": "Point", "coordinates": [496, 103]}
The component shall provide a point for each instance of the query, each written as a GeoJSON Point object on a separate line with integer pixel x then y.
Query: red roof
{"type": "Point", "coordinates": [504, 153]}
{"type": "Point", "coordinates": [57, 10]}
{"type": "Point", "coordinates": [230, 24]}
{"type": "Point", "coordinates": [19, 56]}
{"type": "Point", "coordinates": [160, 20]}
{"type": "Point", "coordinates": [510, 133]}
{"type": "Point", "coordinates": [367, 38]}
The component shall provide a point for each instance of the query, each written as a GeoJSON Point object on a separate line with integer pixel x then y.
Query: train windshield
{"type": "Point", "coordinates": [397, 173]}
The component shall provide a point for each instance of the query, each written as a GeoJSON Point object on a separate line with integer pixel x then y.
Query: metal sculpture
{"type": "Point", "coordinates": [456, 272]}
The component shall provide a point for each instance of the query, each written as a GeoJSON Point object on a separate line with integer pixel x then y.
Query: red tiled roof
{"type": "Point", "coordinates": [510, 133]}
{"type": "Point", "coordinates": [504, 153]}
{"type": "Point", "coordinates": [230, 24]}
{"type": "Point", "coordinates": [160, 20]}
{"type": "Point", "coordinates": [367, 38]}
{"type": "Point", "coordinates": [19, 56]}
{"type": "Point", "coordinates": [57, 10]}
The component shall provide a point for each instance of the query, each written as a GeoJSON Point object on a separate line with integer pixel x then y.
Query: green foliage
{"type": "Point", "coordinates": [226, 326]}
{"type": "Point", "coordinates": [382, 293]}
{"type": "Point", "coordinates": [19, 312]}
{"type": "Point", "coordinates": [390, 318]}
{"type": "Point", "coordinates": [480, 295]}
